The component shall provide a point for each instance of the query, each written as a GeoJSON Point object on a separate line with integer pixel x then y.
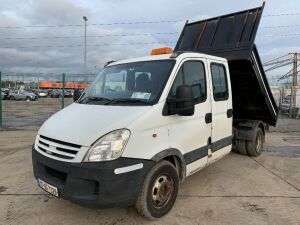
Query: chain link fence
{"type": "Point", "coordinates": [30, 99]}
{"type": "Point", "coordinates": [282, 97]}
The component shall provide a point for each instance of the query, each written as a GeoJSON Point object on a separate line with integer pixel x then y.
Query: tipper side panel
{"type": "Point", "coordinates": [232, 37]}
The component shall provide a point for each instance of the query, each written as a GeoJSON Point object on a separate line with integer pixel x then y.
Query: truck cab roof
{"type": "Point", "coordinates": [179, 56]}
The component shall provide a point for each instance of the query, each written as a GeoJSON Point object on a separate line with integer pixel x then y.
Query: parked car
{"type": "Point", "coordinates": [22, 95]}
{"type": "Point", "coordinates": [68, 93]}
{"type": "Point", "coordinates": [42, 93]}
{"type": "Point", "coordinates": [286, 104]}
{"type": "Point", "coordinates": [49, 91]}
{"type": "Point", "coordinates": [284, 107]}
{"type": "Point", "coordinates": [35, 91]}
{"type": "Point", "coordinates": [55, 93]}
{"type": "Point", "coordinates": [287, 98]}
{"type": "Point", "coordinates": [4, 93]}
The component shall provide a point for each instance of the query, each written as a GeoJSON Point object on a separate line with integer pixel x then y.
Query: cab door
{"type": "Point", "coordinates": [190, 134]}
{"type": "Point", "coordinates": [221, 138]}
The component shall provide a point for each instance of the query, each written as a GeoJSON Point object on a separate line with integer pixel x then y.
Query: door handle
{"type": "Point", "coordinates": [208, 117]}
{"type": "Point", "coordinates": [229, 113]}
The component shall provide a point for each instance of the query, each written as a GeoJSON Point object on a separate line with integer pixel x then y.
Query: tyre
{"type": "Point", "coordinates": [28, 98]}
{"type": "Point", "coordinates": [159, 191]}
{"type": "Point", "coordinates": [241, 147]}
{"type": "Point", "coordinates": [234, 146]}
{"type": "Point", "coordinates": [254, 148]}
{"type": "Point", "coordinates": [11, 98]}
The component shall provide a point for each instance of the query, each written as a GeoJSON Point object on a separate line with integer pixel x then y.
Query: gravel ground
{"type": "Point", "coordinates": [33, 113]}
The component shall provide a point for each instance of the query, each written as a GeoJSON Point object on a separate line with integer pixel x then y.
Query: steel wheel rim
{"type": "Point", "coordinates": [162, 191]}
{"type": "Point", "coordinates": [258, 143]}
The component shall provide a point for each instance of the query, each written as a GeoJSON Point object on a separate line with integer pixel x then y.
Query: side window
{"type": "Point", "coordinates": [191, 73]}
{"type": "Point", "coordinates": [219, 80]}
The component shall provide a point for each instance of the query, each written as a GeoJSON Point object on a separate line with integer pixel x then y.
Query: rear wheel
{"type": "Point", "coordinates": [27, 98]}
{"type": "Point", "coordinates": [241, 147]}
{"type": "Point", "coordinates": [12, 98]}
{"type": "Point", "coordinates": [254, 148]}
{"type": "Point", "coordinates": [234, 146]}
{"type": "Point", "coordinates": [159, 191]}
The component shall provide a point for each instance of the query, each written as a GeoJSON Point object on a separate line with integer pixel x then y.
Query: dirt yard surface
{"type": "Point", "coordinates": [235, 190]}
{"type": "Point", "coordinates": [30, 113]}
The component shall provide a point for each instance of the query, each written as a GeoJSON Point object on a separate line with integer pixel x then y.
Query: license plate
{"type": "Point", "coordinates": [48, 187]}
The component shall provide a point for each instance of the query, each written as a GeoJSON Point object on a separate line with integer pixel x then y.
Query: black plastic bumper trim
{"type": "Point", "coordinates": [196, 154]}
{"type": "Point", "coordinates": [202, 152]}
{"type": "Point", "coordinates": [222, 143]}
{"type": "Point", "coordinates": [93, 184]}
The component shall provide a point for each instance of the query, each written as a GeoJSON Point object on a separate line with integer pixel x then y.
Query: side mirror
{"type": "Point", "coordinates": [183, 104]}
{"type": "Point", "coordinates": [76, 94]}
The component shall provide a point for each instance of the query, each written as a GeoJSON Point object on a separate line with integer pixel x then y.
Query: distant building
{"type": "Point", "coordinates": [56, 85]}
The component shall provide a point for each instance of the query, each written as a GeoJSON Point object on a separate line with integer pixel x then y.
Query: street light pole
{"type": "Point", "coordinates": [84, 70]}
{"type": "Point", "coordinates": [294, 84]}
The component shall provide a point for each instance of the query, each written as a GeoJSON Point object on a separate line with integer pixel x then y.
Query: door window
{"type": "Point", "coordinates": [191, 73]}
{"type": "Point", "coordinates": [220, 87]}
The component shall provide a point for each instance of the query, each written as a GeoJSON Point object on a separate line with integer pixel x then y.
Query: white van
{"type": "Point", "coordinates": [145, 124]}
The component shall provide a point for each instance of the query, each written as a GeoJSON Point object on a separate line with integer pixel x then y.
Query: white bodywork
{"type": "Point", "coordinates": [151, 132]}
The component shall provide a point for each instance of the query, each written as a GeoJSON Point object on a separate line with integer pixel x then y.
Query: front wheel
{"type": "Point", "coordinates": [159, 191]}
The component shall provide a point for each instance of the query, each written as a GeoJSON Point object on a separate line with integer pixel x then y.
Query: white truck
{"type": "Point", "coordinates": [145, 124]}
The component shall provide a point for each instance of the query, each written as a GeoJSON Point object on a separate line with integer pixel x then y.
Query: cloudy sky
{"type": "Point", "coordinates": [46, 36]}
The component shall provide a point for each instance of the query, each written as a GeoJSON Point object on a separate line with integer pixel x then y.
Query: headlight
{"type": "Point", "coordinates": [108, 147]}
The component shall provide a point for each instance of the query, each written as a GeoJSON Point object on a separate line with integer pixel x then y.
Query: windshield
{"type": "Point", "coordinates": [138, 83]}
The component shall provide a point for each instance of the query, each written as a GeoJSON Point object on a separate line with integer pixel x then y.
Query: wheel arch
{"type": "Point", "coordinates": [175, 157]}
{"type": "Point", "coordinates": [246, 130]}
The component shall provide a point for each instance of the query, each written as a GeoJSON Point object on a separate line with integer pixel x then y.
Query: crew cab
{"type": "Point", "coordinates": [145, 124]}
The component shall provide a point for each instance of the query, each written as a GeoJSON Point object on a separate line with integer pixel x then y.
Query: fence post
{"type": "Point", "coordinates": [0, 101]}
{"type": "Point", "coordinates": [63, 91]}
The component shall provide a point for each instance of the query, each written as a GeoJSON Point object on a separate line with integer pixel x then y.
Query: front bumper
{"type": "Point", "coordinates": [92, 184]}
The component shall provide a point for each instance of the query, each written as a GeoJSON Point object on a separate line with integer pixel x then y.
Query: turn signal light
{"type": "Point", "coordinates": [160, 51]}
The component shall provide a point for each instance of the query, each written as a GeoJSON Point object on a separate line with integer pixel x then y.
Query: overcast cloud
{"type": "Point", "coordinates": [66, 54]}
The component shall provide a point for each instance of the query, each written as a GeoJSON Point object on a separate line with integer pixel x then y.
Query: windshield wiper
{"type": "Point", "coordinates": [93, 99]}
{"type": "Point", "coordinates": [129, 100]}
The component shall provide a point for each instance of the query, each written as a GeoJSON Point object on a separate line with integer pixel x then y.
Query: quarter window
{"type": "Point", "coordinates": [220, 88]}
{"type": "Point", "coordinates": [191, 73]}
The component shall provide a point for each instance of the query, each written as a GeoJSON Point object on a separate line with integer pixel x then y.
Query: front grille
{"type": "Point", "coordinates": [57, 148]}
{"type": "Point", "coordinates": [60, 142]}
